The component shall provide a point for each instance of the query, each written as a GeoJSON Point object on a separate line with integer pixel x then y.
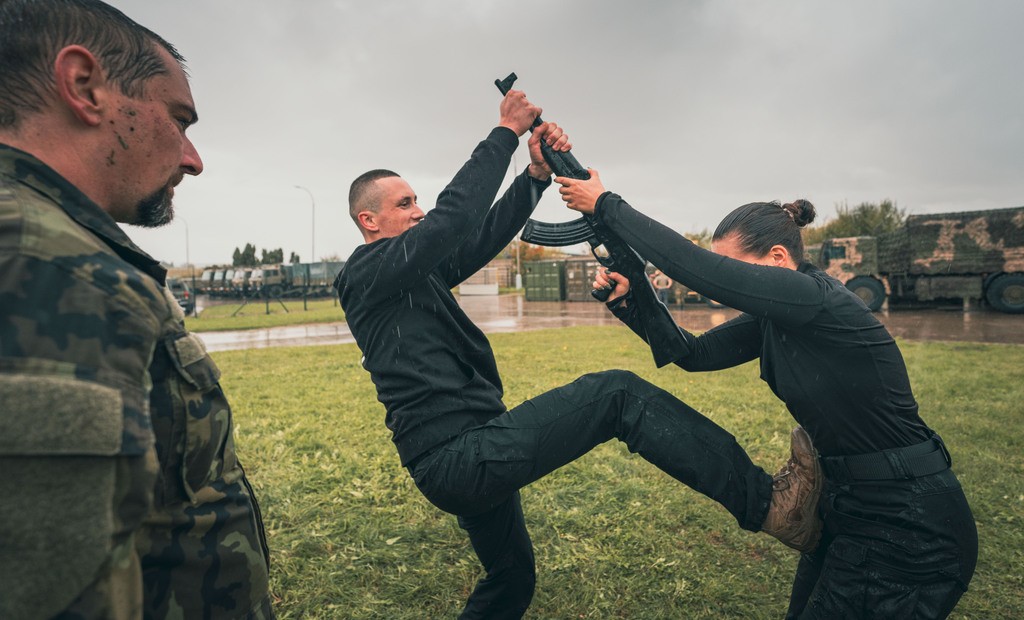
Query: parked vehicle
{"type": "Point", "coordinates": [181, 291]}
{"type": "Point", "coordinates": [226, 288]}
{"type": "Point", "coordinates": [296, 279]}
{"type": "Point", "coordinates": [317, 277]}
{"type": "Point", "coordinates": [973, 256]}
{"type": "Point", "coordinates": [268, 280]}
{"type": "Point", "coordinates": [216, 281]}
{"type": "Point", "coordinates": [205, 281]}
{"type": "Point", "coordinates": [240, 282]}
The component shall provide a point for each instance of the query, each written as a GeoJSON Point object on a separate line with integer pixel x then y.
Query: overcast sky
{"type": "Point", "coordinates": [688, 109]}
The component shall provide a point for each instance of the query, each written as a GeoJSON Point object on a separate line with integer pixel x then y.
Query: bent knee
{"type": "Point", "coordinates": [616, 378]}
{"type": "Point", "coordinates": [625, 381]}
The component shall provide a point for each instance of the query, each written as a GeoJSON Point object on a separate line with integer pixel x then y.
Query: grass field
{"type": "Point", "coordinates": [255, 314]}
{"type": "Point", "coordinates": [614, 537]}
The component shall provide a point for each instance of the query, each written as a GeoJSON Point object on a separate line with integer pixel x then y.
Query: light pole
{"type": "Point", "coordinates": [312, 244]}
{"type": "Point", "coordinates": [519, 264]}
{"type": "Point", "coordinates": [192, 269]}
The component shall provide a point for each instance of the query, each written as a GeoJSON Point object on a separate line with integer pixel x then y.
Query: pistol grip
{"type": "Point", "coordinates": [603, 293]}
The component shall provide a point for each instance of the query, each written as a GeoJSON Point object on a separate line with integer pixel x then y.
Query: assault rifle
{"type": "Point", "coordinates": [661, 332]}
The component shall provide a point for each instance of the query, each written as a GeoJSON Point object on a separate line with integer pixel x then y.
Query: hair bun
{"type": "Point", "coordinates": [802, 211]}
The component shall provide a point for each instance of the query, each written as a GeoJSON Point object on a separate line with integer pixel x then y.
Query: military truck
{"type": "Point", "coordinates": [296, 279]}
{"type": "Point", "coordinates": [240, 282]}
{"type": "Point", "coordinates": [972, 256]}
{"type": "Point", "coordinates": [218, 287]}
{"type": "Point", "coordinates": [204, 283]}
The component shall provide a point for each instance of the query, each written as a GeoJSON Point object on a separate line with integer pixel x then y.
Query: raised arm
{"type": "Point", "coordinates": [398, 262]}
{"type": "Point", "coordinates": [780, 294]}
{"type": "Point", "coordinates": [776, 293]}
{"type": "Point", "coordinates": [508, 216]}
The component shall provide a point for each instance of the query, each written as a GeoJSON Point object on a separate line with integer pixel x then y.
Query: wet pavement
{"type": "Point", "coordinates": [511, 313]}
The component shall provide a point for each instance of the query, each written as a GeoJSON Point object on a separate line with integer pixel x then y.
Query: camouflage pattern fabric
{"type": "Point", "coordinates": [195, 562]}
{"type": "Point", "coordinates": [123, 496]}
{"type": "Point", "coordinates": [970, 242]}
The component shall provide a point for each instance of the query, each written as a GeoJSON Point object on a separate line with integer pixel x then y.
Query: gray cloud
{"type": "Point", "coordinates": [688, 109]}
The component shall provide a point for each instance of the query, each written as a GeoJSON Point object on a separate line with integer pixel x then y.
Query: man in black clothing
{"type": "Point", "coordinates": [436, 376]}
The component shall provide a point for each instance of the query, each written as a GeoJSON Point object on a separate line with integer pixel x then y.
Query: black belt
{"type": "Point", "coordinates": [923, 459]}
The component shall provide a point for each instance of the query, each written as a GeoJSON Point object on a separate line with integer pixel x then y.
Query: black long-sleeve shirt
{"type": "Point", "coordinates": [833, 364]}
{"type": "Point", "coordinates": [433, 368]}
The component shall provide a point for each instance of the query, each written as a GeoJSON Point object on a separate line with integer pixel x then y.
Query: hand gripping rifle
{"type": "Point", "coordinates": [662, 333]}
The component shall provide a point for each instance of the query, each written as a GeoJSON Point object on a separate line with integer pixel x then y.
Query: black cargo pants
{"type": "Point", "coordinates": [890, 549]}
{"type": "Point", "coordinates": [478, 474]}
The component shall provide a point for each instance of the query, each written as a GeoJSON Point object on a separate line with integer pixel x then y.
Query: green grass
{"type": "Point", "coordinates": [255, 314]}
{"type": "Point", "coordinates": [615, 538]}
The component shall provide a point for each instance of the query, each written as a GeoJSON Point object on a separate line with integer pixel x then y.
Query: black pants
{"type": "Point", "coordinates": [891, 549]}
{"type": "Point", "coordinates": [477, 475]}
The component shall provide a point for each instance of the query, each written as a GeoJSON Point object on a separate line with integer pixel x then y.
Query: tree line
{"type": "Point", "coordinates": [866, 219]}
{"type": "Point", "coordinates": [246, 257]}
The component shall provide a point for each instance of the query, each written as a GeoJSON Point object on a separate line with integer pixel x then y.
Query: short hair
{"type": "Point", "coordinates": [363, 195]}
{"type": "Point", "coordinates": [760, 225]}
{"type": "Point", "coordinates": [32, 32]}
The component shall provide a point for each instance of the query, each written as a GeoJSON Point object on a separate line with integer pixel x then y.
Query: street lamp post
{"type": "Point", "coordinates": [192, 269]}
{"type": "Point", "coordinates": [519, 264]}
{"type": "Point", "coordinates": [312, 202]}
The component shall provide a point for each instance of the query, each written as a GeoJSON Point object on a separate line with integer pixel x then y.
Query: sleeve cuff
{"type": "Point", "coordinates": [537, 182]}
{"type": "Point", "coordinates": [505, 137]}
{"type": "Point", "coordinates": [599, 206]}
{"type": "Point", "coordinates": [619, 304]}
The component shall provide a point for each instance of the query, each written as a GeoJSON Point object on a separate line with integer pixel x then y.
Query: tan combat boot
{"type": "Point", "coordinates": [793, 514]}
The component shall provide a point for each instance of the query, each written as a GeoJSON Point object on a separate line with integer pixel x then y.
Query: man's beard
{"type": "Point", "coordinates": [155, 210]}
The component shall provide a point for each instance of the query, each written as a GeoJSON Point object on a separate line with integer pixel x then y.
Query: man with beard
{"type": "Point", "coordinates": [123, 496]}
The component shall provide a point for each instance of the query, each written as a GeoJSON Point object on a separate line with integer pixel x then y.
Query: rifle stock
{"type": "Point", "coordinates": [661, 332]}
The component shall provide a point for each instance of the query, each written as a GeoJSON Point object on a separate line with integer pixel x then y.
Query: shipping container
{"type": "Point", "coordinates": [544, 280]}
{"type": "Point", "coordinates": [579, 279]}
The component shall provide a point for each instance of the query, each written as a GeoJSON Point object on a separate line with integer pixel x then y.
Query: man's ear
{"type": "Point", "coordinates": [368, 221]}
{"type": "Point", "coordinates": [81, 84]}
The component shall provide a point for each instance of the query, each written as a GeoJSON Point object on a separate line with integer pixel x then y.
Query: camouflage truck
{"type": "Point", "coordinates": [972, 256]}
{"type": "Point", "coordinates": [296, 279]}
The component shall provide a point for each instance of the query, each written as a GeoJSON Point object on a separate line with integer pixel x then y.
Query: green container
{"type": "Point", "coordinates": [544, 280]}
{"type": "Point", "coordinates": [579, 279]}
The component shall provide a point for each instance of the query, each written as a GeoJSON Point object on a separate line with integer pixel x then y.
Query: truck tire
{"type": "Point", "coordinates": [1006, 293]}
{"type": "Point", "coordinates": [870, 291]}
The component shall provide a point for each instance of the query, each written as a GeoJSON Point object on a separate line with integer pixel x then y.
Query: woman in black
{"type": "Point", "coordinates": [899, 538]}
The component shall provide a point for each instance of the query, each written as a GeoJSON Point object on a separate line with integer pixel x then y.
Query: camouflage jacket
{"type": "Point", "coordinates": [122, 493]}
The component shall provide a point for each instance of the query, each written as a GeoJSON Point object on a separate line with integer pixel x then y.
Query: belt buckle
{"type": "Point", "coordinates": [836, 469]}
